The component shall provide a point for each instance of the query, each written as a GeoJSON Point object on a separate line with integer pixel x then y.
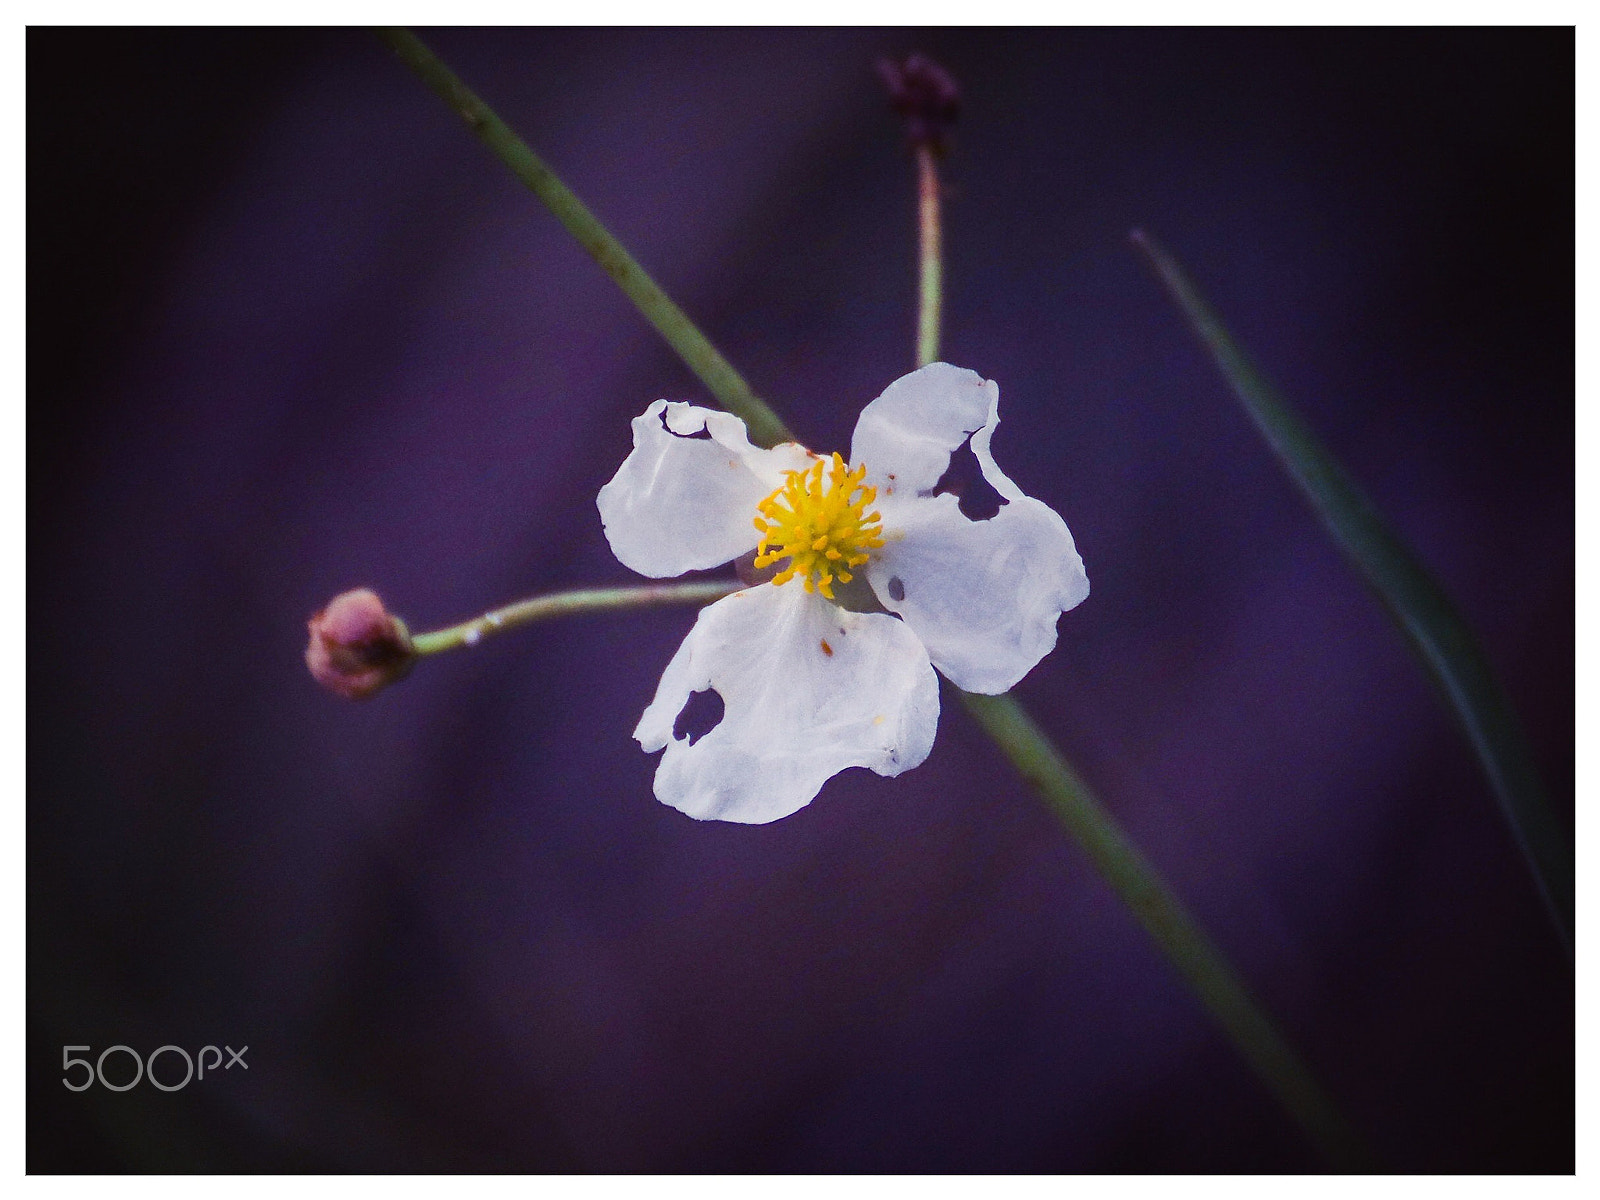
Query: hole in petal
{"type": "Point", "coordinates": [897, 589]}
{"type": "Point", "coordinates": [963, 479]}
{"type": "Point", "coordinates": [702, 434]}
{"type": "Point", "coordinates": [700, 715]}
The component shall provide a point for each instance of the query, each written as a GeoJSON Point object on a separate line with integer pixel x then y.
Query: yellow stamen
{"type": "Point", "coordinates": [820, 524]}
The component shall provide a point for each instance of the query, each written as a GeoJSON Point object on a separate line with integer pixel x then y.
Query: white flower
{"type": "Point", "coordinates": [808, 687]}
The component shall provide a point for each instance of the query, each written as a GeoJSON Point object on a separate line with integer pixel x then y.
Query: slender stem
{"type": "Point", "coordinates": [565, 604]}
{"type": "Point", "coordinates": [1416, 601]}
{"type": "Point", "coordinates": [1164, 916]}
{"type": "Point", "coordinates": [930, 282]}
{"type": "Point", "coordinates": [1134, 879]}
{"type": "Point", "coordinates": [1130, 874]}
{"type": "Point", "coordinates": [726, 384]}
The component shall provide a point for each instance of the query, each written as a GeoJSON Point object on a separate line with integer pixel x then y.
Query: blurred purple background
{"type": "Point", "coordinates": [292, 330]}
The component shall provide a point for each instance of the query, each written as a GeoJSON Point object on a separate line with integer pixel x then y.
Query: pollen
{"type": "Point", "coordinates": [819, 521]}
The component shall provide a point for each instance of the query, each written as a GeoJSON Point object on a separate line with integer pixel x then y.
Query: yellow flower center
{"type": "Point", "coordinates": [818, 521]}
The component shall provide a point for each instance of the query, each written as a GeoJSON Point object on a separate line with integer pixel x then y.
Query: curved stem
{"type": "Point", "coordinates": [563, 604]}
{"type": "Point", "coordinates": [930, 283]}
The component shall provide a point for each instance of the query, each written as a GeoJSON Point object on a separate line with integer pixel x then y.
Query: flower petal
{"type": "Point", "coordinates": [906, 435]}
{"type": "Point", "coordinates": [982, 595]}
{"type": "Point", "coordinates": [682, 502]}
{"type": "Point", "coordinates": [807, 688]}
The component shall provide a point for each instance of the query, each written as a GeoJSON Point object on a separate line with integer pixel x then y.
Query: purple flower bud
{"type": "Point", "coordinates": [356, 647]}
{"type": "Point", "coordinates": [924, 93]}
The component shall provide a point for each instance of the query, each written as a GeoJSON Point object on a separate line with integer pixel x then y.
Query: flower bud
{"type": "Point", "coordinates": [924, 93]}
{"type": "Point", "coordinates": [357, 647]}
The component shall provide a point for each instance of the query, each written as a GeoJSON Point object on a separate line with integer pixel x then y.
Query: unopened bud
{"type": "Point", "coordinates": [357, 647]}
{"type": "Point", "coordinates": [925, 94]}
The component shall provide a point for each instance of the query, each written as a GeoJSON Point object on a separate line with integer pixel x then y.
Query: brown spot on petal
{"type": "Point", "coordinates": [827, 649]}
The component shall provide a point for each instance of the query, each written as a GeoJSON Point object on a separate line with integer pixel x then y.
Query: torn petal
{"type": "Point", "coordinates": [905, 436]}
{"type": "Point", "coordinates": [682, 502]}
{"type": "Point", "coordinates": [808, 689]}
{"type": "Point", "coordinates": [983, 596]}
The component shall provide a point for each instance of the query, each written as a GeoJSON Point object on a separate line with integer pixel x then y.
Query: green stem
{"type": "Point", "coordinates": [1418, 604]}
{"type": "Point", "coordinates": [1133, 878]}
{"type": "Point", "coordinates": [1131, 875]}
{"type": "Point", "coordinates": [1166, 919]}
{"type": "Point", "coordinates": [565, 604]}
{"type": "Point", "coordinates": [930, 281]}
{"type": "Point", "coordinates": [726, 384]}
